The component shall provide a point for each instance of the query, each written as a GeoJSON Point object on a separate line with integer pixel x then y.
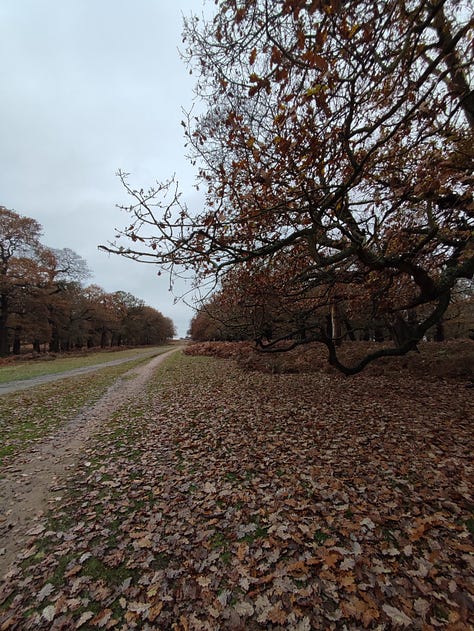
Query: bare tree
{"type": "Point", "coordinates": [337, 148]}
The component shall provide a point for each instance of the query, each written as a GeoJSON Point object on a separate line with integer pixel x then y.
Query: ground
{"type": "Point", "coordinates": [223, 498]}
{"type": "Point", "coordinates": [28, 479]}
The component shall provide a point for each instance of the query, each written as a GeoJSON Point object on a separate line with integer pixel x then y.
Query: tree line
{"type": "Point", "coordinates": [335, 149]}
{"type": "Point", "coordinates": [45, 306]}
{"type": "Point", "coordinates": [261, 316]}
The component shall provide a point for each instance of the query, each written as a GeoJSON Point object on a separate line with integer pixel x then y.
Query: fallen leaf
{"type": "Point", "coordinates": [36, 530]}
{"type": "Point", "coordinates": [244, 609]}
{"type": "Point", "coordinates": [46, 591]}
{"type": "Point", "coordinates": [204, 581]}
{"type": "Point", "coordinates": [85, 617]}
{"type": "Point", "coordinates": [139, 608]}
{"type": "Point", "coordinates": [397, 616]}
{"type": "Point", "coordinates": [421, 606]}
{"type": "Point", "coordinates": [48, 613]}
{"type": "Point", "coordinates": [154, 612]}
{"type": "Point", "coordinates": [102, 618]}
{"type": "Point", "coordinates": [277, 615]}
{"type": "Point", "coordinates": [73, 571]}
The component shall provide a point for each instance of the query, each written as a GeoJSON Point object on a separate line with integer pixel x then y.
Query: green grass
{"type": "Point", "coordinates": [32, 414]}
{"type": "Point", "coordinates": [320, 537]}
{"type": "Point", "coordinates": [27, 369]}
{"type": "Point", "coordinates": [98, 570]}
{"type": "Point", "coordinates": [218, 540]}
{"type": "Point", "coordinates": [258, 533]}
{"type": "Point", "coordinates": [470, 525]}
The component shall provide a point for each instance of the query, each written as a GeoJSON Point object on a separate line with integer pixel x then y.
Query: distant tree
{"type": "Point", "coordinates": [458, 321]}
{"type": "Point", "coordinates": [129, 307]}
{"type": "Point", "coordinates": [43, 306]}
{"type": "Point", "coordinates": [42, 300]}
{"type": "Point", "coordinates": [337, 145]}
{"type": "Point", "coordinates": [155, 327]}
{"type": "Point", "coordinates": [19, 250]}
{"type": "Point", "coordinates": [140, 324]}
{"type": "Point", "coordinates": [121, 318]}
{"type": "Point", "coordinates": [102, 315]}
{"type": "Point", "coordinates": [67, 270]}
{"type": "Point", "coordinates": [211, 323]}
{"type": "Point", "coordinates": [206, 325]}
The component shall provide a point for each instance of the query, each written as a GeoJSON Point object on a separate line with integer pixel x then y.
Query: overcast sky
{"type": "Point", "coordinates": [90, 87]}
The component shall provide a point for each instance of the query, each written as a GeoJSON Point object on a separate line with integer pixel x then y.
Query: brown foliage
{"type": "Point", "coordinates": [336, 154]}
{"type": "Point", "coordinates": [224, 350]}
{"type": "Point", "coordinates": [448, 360]}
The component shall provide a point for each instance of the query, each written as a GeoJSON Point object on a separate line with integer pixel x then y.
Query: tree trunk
{"type": "Point", "coordinates": [4, 346]}
{"type": "Point", "coordinates": [350, 330]}
{"type": "Point", "coordinates": [54, 345]}
{"type": "Point", "coordinates": [103, 339]}
{"type": "Point", "coordinates": [335, 326]}
{"type": "Point", "coordinates": [401, 330]}
{"type": "Point", "coordinates": [378, 334]}
{"type": "Point", "coordinates": [439, 333]}
{"type": "Point", "coordinates": [17, 341]}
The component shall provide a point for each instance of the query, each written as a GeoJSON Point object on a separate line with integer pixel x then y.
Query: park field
{"type": "Point", "coordinates": [231, 498]}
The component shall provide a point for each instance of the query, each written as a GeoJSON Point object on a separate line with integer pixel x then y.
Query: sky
{"type": "Point", "coordinates": [90, 87]}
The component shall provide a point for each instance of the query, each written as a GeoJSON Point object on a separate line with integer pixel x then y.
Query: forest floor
{"type": "Point", "coordinates": [221, 498]}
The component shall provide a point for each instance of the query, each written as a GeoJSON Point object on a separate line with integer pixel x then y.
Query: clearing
{"type": "Point", "coordinates": [217, 498]}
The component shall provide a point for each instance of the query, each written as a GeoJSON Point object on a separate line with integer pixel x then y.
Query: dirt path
{"type": "Point", "coordinates": [23, 384]}
{"type": "Point", "coordinates": [38, 474]}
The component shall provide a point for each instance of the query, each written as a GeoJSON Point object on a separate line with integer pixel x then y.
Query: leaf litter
{"type": "Point", "coordinates": [221, 499]}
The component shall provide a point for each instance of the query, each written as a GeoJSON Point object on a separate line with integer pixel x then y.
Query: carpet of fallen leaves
{"type": "Point", "coordinates": [225, 499]}
{"type": "Point", "coordinates": [453, 359]}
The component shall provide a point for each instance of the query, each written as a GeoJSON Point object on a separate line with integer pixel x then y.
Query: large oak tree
{"type": "Point", "coordinates": [20, 250]}
{"type": "Point", "coordinates": [336, 147]}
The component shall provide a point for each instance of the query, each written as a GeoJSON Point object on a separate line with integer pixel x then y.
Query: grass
{"type": "Point", "coordinates": [98, 570]}
{"type": "Point", "coordinates": [319, 537]}
{"type": "Point", "coordinates": [258, 533]}
{"type": "Point", "coordinates": [28, 369]}
{"type": "Point", "coordinates": [50, 406]}
{"type": "Point", "coordinates": [152, 537]}
{"type": "Point", "coordinates": [30, 415]}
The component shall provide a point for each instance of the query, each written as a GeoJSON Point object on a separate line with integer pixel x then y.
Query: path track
{"type": "Point", "coordinates": [39, 473]}
{"type": "Point", "coordinates": [32, 382]}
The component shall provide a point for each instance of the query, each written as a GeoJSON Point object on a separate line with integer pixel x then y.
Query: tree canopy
{"type": "Point", "coordinates": [336, 148]}
{"type": "Point", "coordinates": [43, 301]}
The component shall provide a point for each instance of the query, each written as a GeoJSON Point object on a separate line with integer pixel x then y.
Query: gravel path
{"type": "Point", "coordinates": [38, 474]}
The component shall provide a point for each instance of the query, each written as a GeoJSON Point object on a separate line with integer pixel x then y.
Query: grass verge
{"type": "Point", "coordinates": [27, 369]}
{"type": "Point", "coordinates": [30, 415]}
